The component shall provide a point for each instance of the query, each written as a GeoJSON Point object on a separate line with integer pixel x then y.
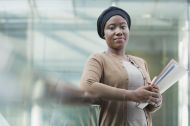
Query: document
{"type": "Point", "coordinates": [171, 73]}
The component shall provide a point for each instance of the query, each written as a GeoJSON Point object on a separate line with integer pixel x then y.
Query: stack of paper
{"type": "Point", "coordinates": [171, 73]}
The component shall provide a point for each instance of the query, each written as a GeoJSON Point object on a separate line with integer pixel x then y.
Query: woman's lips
{"type": "Point", "coordinates": [119, 39]}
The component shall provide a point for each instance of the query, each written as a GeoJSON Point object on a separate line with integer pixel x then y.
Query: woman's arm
{"type": "Point", "coordinates": [90, 82]}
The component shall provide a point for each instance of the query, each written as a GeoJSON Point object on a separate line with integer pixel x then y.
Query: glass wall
{"type": "Point", "coordinates": [51, 40]}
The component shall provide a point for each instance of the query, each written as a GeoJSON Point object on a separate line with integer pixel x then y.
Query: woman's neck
{"type": "Point", "coordinates": [116, 52]}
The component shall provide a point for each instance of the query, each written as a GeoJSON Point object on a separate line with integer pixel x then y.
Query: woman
{"type": "Point", "coordinates": [119, 81]}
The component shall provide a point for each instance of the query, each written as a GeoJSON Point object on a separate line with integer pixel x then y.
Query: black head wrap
{"type": "Point", "coordinates": [107, 14]}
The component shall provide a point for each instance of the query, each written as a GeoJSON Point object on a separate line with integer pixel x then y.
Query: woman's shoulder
{"type": "Point", "coordinates": [98, 55]}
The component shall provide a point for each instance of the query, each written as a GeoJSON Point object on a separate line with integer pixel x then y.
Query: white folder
{"type": "Point", "coordinates": [171, 73]}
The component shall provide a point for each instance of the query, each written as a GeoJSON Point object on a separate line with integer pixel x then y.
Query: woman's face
{"type": "Point", "coordinates": [116, 32]}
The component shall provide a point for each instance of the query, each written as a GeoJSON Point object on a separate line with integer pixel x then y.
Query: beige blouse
{"type": "Point", "coordinates": [104, 74]}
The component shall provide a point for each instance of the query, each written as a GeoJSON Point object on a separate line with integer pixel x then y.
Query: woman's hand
{"type": "Point", "coordinates": [147, 93]}
{"type": "Point", "coordinates": [158, 101]}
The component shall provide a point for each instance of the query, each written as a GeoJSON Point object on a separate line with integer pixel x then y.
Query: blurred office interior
{"type": "Point", "coordinates": [54, 38]}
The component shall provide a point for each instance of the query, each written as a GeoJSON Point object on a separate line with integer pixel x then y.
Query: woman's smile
{"type": "Point", "coordinates": [119, 39]}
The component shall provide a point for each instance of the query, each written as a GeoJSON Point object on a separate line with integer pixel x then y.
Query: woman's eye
{"type": "Point", "coordinates": [111, 28]}
{"type": "Point", "coordinates": [123, 27]}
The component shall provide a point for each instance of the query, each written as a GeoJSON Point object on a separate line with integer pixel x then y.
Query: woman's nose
{"type": "Point", "coordinates": [118, 31]}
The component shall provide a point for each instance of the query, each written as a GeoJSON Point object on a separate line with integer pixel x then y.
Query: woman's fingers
{"type": "Point", "coordinates": [155, 101]}
{"type": "Point", "coordinates": [154, 88]}
{"type": "Point", "coordinates": [155, 95]}
{"type": "Point", "coordinates": [148, 87]}
{"type": "Point", "coordinates": [141, 94]}
{"type": "Point", "coordinates": [147, 94]}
